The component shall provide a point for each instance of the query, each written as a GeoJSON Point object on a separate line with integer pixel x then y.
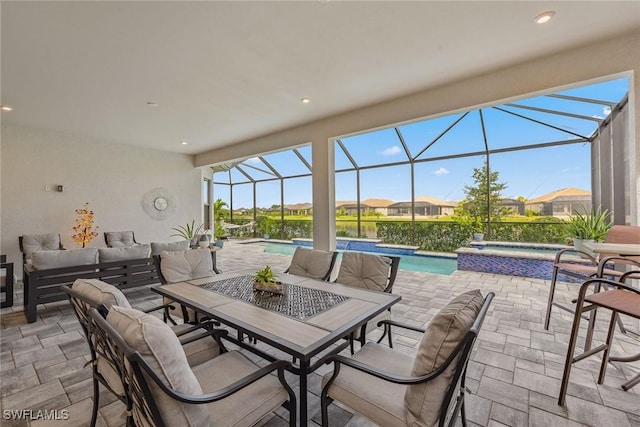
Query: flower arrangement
{"type": "Point", "coordinates": [84, 228]}
{"type": "Point", "coordinates": [266, 280]}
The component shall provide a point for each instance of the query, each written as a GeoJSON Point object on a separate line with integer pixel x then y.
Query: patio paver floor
{"type": "Point", "coordinates": [513, 377]}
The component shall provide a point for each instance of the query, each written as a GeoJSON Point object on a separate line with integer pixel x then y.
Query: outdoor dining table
{"type": "Point", "coordinates": [306, 321]}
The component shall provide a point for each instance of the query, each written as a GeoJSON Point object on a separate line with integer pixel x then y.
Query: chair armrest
{"type": "Point", "coordinates": [564, 251]}
{"type": "Point", "coordinates": [400, 325]}
{"type": "Point", "coordinates": [160, 307]}
{"type": "Point", "coordinates": [224, 392]}
{"type": "Point", "coordinates": [625, 260]}
{"type": "Point", "coordinates": [379, 373]}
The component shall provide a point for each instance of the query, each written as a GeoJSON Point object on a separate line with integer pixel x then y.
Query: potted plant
{"type": "Point", "coordinates": [265, 280]}
{"type": "Point", "coordinates": [588, 226]}
{"type": "Point", "coordinates": [189, 232]}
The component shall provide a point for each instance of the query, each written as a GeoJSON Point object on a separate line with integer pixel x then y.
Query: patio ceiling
{"type": "Point", "coordinates": [223, 72]}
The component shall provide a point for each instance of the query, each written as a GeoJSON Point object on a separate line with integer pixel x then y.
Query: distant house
{"type": "Point", "coordinates": [423, 206]}
{"type": "Point", "coordinates": [378, 205]}
{"type": "Point", "coordinates": [513, 206]}
{"type": "Point", "coordinates": [298, 209]}
{"type": "Point", "coordinates": [561, 203]}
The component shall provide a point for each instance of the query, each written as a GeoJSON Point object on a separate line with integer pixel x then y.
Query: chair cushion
{"type": "Point", "coordinates": [40, 242]}
{"type": "Point", "coordinates": [198, 351]}
{"type": "Point", "coordinates": [379, 400]}
{"type": "Point", "coordinates": [119, 239]}
{"type": "Point", "coordinates": [445, 331]}
{"type": "Point", "coordinates": [157, 248]}
{"type": "Point", "coordinates": [161, 349]}
{"type": "Point", "coordinates": [311, 263]}
{"type": "Point", "coordinates": [178, 266]}
{"type": "Point", "coordinates": [364, 270]}
{"type": "Point", "coordinates": [44, 260]}
{"type": "Point", "coordinates": [99, 292]}
{"type": "Point", "coordinates": [247, 406]}
{"type": "Point", "coordinates": [124, 253]}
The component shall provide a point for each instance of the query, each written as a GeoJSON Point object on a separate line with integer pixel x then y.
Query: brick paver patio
{"type": "Point", "coordinates": [513, 378]}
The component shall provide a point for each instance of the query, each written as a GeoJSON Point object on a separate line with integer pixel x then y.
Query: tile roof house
{"type": "Point", "coordinates": [561, 203]}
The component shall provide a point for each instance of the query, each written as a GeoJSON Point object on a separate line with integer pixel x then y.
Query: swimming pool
{"type": "Point", "coordinates": [425, 264]}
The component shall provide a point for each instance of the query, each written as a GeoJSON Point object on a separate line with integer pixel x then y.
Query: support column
{"type": "Point", "coordinates": [324, 194]}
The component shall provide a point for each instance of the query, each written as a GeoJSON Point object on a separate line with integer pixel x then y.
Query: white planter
{"type": "Point", "coordinates": [578, 245]}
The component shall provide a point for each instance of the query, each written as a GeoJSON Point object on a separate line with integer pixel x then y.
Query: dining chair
{"type": "Point", "coordinates": [313, 263]}
{"type": "Point", "coordinates": [391, 388]}
{"type": "Point", "coordinates": [602, 266]}
{"type": "Point", "coordinates": [180, 266]}
{"type": "Point", "coordinates": [7, 280]}
{"type": "Point", "coordinates": [85, 294]}
{"type": "Point", "coordinates": [622, 299]}
{"type": "Point", "coordinates": [119, 239]}
{"type": "Point", "coordinates": [372, 272]}
{"type": "Point", "coordinates": [229, 389]}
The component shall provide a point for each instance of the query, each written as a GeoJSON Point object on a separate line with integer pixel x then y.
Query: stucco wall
{"type": "Point", "coordinates": [113, 178]}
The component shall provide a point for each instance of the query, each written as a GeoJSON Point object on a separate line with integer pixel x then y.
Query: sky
{"type": "Point", "coordinates": [527, 173]}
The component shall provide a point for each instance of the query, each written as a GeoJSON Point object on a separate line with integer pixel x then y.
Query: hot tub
{"type": "Point", "coordinates": [515, 259]}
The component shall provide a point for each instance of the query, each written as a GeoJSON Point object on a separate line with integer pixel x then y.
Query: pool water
{"type": "Point", "coordinates": [424, 264]}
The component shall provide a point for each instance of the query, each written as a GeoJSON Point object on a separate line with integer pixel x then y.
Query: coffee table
{"type": "Point", "coordinates": [309, 318]}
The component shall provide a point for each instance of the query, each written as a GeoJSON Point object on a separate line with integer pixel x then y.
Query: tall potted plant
{"type": "Point", "coordinates": [189, 232]}
{"type": "Point", "coordinates": [589, 226]}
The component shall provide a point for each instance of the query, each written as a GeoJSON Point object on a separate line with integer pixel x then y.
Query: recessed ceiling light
{"type": "Point", "coordinates": [183, 142]}
{"type": "Point", "coordinates": [152, 104]}
{"type": "Point", "coordinates": [544, 17]}
{"type": "Point", "coordinates": [6, 108]}
{"type": "Point", "coordinates": [305, 100]}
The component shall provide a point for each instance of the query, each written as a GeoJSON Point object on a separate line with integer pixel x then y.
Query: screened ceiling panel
{"type": "Point", "coordinates": [376, 148]}
{"type": "Point", "coordinates": [256, 169]}
{"type": "Point", "coordinates": [341, 159]}
{"type": "Point", "coordinates": [221, 177]}
{"type": "Point", "coordinates": [238, 177]}
{"type": "Point", "coordinates": [420, 134]}
{"type": "Point", "coordinates": [611, 91]}
{"type": "Point", "coordinates": [572, 125]}
{"type": "Point", "coordinates": [287, 163]}
{"type": "Point", "coordinates": [464, 137]}
{"type": "Point", "coordinates": [568, 106]}
{"type": "Point", "coordinates": [505, 130]}
{"type": "Point", "coordinates": [306, 152]}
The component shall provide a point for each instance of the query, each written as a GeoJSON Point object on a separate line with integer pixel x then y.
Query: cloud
{"type": "Point", "coordinates": [441, 171]}
{"type": "Point", "coordinates": [254, 160]}
{"type": "Point", "coordinates": [606, 110]}
{"type": "Point", "coordinates": [391, 151]}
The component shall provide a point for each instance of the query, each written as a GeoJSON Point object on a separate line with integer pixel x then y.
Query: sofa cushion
{"type": "Point", "coordinates": [364, 270]}
{"type": "Point", "coordinates": [119, 239]}
{"type": "Point", "coordinates": [161, 349]}
{"type": "Point", "coordinates": [124, 253]}
{"type": "Point", "coordinates": [181, 245]}
{"type": "Point", "coordinates": [178, 266]}
{"type": "Point", "coordinates": [312, 263]}
{"type": "Point", "coordinates": [44, 260]}
{"type": "Point", "coordinates": [445, 331]}
{"type": "Point", "coordinates": [40, 242]}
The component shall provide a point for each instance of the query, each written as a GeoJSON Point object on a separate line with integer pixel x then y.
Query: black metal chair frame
{"type": "Point", "coordinates": [136, 371]}
{"type": "Point", "coordinates": [81, 307]}
{"type": "Point", "coordinates": [599, 272]}
{"type": "Point", "coordinates": [462, 353]}
{"type": "Point", "coordinates": [606, 347]}
{"type": "Point", "coordinates": [327, 276]}
{"type": "Point", "coordinates": [106, 241]}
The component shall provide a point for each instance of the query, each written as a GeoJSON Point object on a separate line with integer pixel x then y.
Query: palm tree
{"type": "Point", "coordinates": [219, 213]}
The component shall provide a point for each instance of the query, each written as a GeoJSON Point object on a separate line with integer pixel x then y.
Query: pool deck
{"type": "Point", "coordinates": [513, 377]}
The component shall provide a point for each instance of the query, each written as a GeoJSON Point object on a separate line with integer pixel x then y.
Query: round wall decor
{"type": "Point", "coordinates": [158, 203]}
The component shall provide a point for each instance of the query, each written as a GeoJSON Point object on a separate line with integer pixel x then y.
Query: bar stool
{"type": "Point", "coordinates": [621, 299]}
